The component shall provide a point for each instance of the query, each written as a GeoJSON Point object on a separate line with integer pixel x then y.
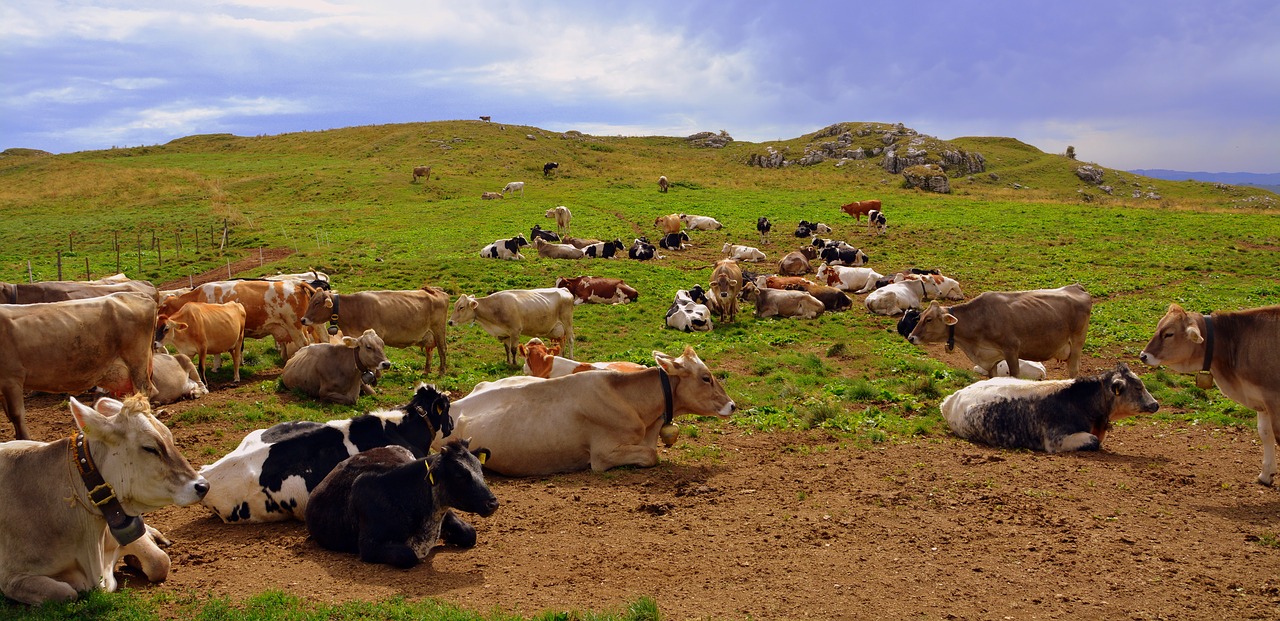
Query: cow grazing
{"type": "Point", "coordinates": [689, 312]}
{"type": "Point", "coordinates": [1035, 325]}
{"type": "Point", "coordinates": [199, 328]}
{"type": "Point", "coordinates": [642, 250]}
{"type": "Point", "coordinates": [414, 318]}
{"type": "Point", "coordinates": [544, 362]}
{"type": "Point", "coordinates": [391, 508]}
{"type": "Point", "coordinates": [486, 118]}
{"type": "Point", "coordinates": [61, 291]}
{"type": "Point", "coordinates": [1052, 415]}
{"type": "Point", "coordinates": [726, 285]}
{"type": "Point", "coordinates": [604, 250]}
{"type": "Point", "coordinates": [513, 187]}
{"type": "Point", "coordinates": [47, 347]}
{"type": "Point", "coordinates": [763, 226]}
{"type": "Point", "coordinates": [700, 223]}
{"type": "Point", "coordinates": [421, 171]}
{"type": "Point", "coordinates": [858, 208]}
{"type": "Point", "coordinates": [62, 532]}
{"type": "Point", "coordinates": [549, 250]}
{"type": "Point", "coordinates": [508, 315]}
{"type": "Point", "coordinates": [488, 196]}
{"type": "Point", "coordinates": [270, 476]}
{"type": "Point", "coordinates": [337, 372]}
{"type": "Point", "coordinates": [796, 263]}
{"type": "Point", "coordinates": [1238, 351]}
{"type": "Point", "coordinates": [508, 248]}
{"type": "Point", "coordinates": [663, 184]}
{"type": "Point", "coordinates": [851, 257]}
{"type": "Point", "coordinates": [272, 308]}
{"type": "Point", "coordinates": [537, 232]}
{"type": "Point", "coordinates": [876, 222]}
{"type": "Point", "coordinates": [175, 378]}
{"type": "Point", "coordinates": [562, 216]}
{"type": "Point", "coordinates": [668, 224]}
{"type": "Point", "coordinates": [782, 302]}
{"type": "Point", "coordinates": [596, 420]}
{"type": "Point", "coordinates": [742, 253]}
{"type": "Point", "coordinates": [597, 290]}
{"type": "Point", "coordinates": [548, 167]}
{"type": "Point", "coordinates": [855, 279]}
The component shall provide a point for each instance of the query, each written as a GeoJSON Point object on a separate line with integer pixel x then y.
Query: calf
{"type": "Point", "coordinates": [562, 216]}
{"type": "Point", "coordinates": [604, 250]}
{"type": "Point", "coordinates": [508, 248]}
{"type": "Point", "coordinates": [674, 241]}
{"type": "Point", "coordinates": [782, 302]}
{"type": "Point", "coordinates": [199, 328]}
{"type": "Point", "coordinates": [549, 250]}
{"type": "Point", "coordinates": [641, 250]}
{"type": "Point", "coordinates": [537, 232]}
{"type": "Point", "coordinates": [593, 289]}
{"type": "Point", "coordinates": [542, 361]}
{"type": "Point", "coordinates": [763, 226]}
{"type": "Point", "coordinates": [390, 507]}
{"type": "Point", "coordinates": [700, 223]}
{"type": "Point", "coordinates": [857, 208]}
{"type": "Point", "coordinates": [548, 167]}
{"type": "Point", "coordinates": [513, 187]}
{"type": "Point", "coordinates": [490, 195]}
{"type": "Point", "coordinates": [742, 253]}
{"type": "Point", "coordinates": [270, 476]}
{"type": "Point", "coordinates": [73, 507]}
{"type": "Point", "coordinates": [877, 222]}
{"type": "Point", "coordinates": [337, 372]}
{"type": "Point", "coordinates": [1051, 415]}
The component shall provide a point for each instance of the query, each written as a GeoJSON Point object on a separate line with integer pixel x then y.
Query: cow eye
{"type": "Point", "coordinates": [706, 378]}
{"type": "Point", "coordinates": [151, 449]}
{"type": "Point", "coordinates": [1167, 335]}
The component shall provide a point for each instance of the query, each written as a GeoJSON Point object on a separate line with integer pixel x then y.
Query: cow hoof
{"type": "Point", "coordinates": [1264, 479]}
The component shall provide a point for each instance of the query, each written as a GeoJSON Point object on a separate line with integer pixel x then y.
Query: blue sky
{"type": "Point", "coordinates": [1130, 84]}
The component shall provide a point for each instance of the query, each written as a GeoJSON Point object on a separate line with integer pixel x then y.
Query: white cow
{"type": "Point", "coordinates": [700, 223]}
{"type": "Point", "coordinates": [742, 253]}
{"type": "Point", "coordinates": [509, 314]}
{"type": "Point", "coordinates": [912, 292]}
{"type": "Point", "coordinates": [563, 217]}
{"type": "Point", "coordinates": [845, 278]}
{"type": "Point", "coordinates": [1027, 369]}
{"type": "Point", "coordinates": [513, 187]}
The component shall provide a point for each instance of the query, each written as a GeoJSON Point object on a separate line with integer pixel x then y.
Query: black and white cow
{"type": "Point", "coordinates": [641, 249]}
{"type": "Point", "coordinates": [876, 222]}
{"type": "Point", "coordinates": [505, 248]}
{"type": "Point", "coordinates": [689, 311]}
{"type": "Point", "coordinates": [604, 250]}
{"type": "Point", "coordinates": [852, 257]}
{"type": "Point", "coordinates": [548, 167]}
{"type": "Point", "coordinates": [1052, 415]}
{"type": "Point", "coordinates": [804, 229]}
{"type": "Point", "coordinates": [269, 477]}
{"type": "Point", "coordinates": [390, 507]}
{"type": "Point", "coordinates": [763, 225]}
{"type": "Point", "coordinates": [537, 232]}
{"type": "Point", "coordinates": [674, 241]}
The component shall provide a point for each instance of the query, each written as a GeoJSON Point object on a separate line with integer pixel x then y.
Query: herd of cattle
{"type": "Point", "coordinates": [386, 484]}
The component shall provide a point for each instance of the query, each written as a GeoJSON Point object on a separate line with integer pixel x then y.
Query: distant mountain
{"type": "Point", "coordinates": [1234, 178]}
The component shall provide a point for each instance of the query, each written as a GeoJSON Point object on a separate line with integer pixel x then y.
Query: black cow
{"type": "Point", "coordinates": [391, 508]}
{"type": "Point", "coordinates": [604, 250]}
{"type": "Point", "coordinates": [674, 241]}
{"type": "Point", "coordinates": [641, 249]}
{"type": "Point", "coordinates": [763, 225]}
{"type": "Point", "coordinates": [537, 232]}
{"type": "Point", "coordinates": [849, 256]}
{"type": "Point", "coordinates": [548, 167]}
{"type": "Point", "coordinates": [1049, 415]}
{"type": "Point", "coordinates": [271, 474]}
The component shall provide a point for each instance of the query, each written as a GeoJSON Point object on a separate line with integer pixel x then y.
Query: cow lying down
{"type": "Point", "coordinates": [390, 507]}
{"type": "Point", "coordinates": [269, 477]}
{"type": "Point", "coordinates": [542, 361]}
{"type": "Point", "coordinates": [1052, 415]}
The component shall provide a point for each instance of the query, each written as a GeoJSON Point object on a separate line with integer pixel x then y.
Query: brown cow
{"type": "Point", "coordinates": [1239, 350]}
{"type": "Point", "coordinates": [669, 223]}
{"type": "Point", "coordinates": [782, 302]}
{"type": "Point", "coordinates": [401, 318]}
{"type": "Point", "coordinates": [858, 208]}
{"type": "Point", "coordinates": [421, 171]}
{"type": "Point", "coordinates": [73, 346]}
{"type": "Point", "coordinates": [62, 290]}
{"type": "Point", "coordinates": [272, 308]}
{"type": "Point", "coordinates": [199, 328]}
{"type": "Point", "coordinates": [797, 263]}
{"type": "Point", "coordinates": [337, 373]}
{"type": "Point", "coordinates": [593, 289]}
{"type": "Point", "coordinates": [726, 285]}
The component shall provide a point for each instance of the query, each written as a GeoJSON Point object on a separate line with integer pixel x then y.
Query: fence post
{"type": "Point", "coordinates": [86, 269]}
{"type": "Point", "coordinates": [139, 253]}
{"type": "Point", "coordinates": [59, 265]}
{"type": "Point", "coordinates": [71, 242]}
{"type": "Point", "coordinates": [30, 277]}
{"type": "Point", "coordinates": [116, 244]}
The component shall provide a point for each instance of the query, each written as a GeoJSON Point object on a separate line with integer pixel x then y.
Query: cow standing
{"type": "Point", "coordinates": [61, 291]}
{"type": "Point", "coordinates": [763, 226]}
{"type": "Point", "coordinates": [401, 318]}
{"type": "Point", "coordinates": [563, 218]}
{"type": "Point", "coordinates": [548, 167]}
{"type": "Point", "coordinates": [507, 315]}
{"type": "Point", "coordinates": [197, 329]}
{"type": "Point", "coordinates": [272, 308]}
{"type": "Point", "coordinates": [858, 208]}
{"type": "Point", "coordinates": [726, 285]}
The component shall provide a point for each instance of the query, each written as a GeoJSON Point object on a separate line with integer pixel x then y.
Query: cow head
{"type": "Point", "coordinates": [694, 389]}
{"type": "Point", "coordinates": [319, 308]}
{"type": "Point", "coordinates": [1131, 396]}
{"type": "Point", "coordinates": [458, 472]}
{"type": "Point", "coordinates": [431, 407]}
{"type": "Point", "coordinates": [464, 310]}
{"type": "Point", "coordinates": [908, 322]}
{"type": "Point", "coordinates": [933, 325]}
{"type": "Point", "coordinates": [698, 295]}
{"type": "Point", "coordinates": [369, 352]}
{"type": "Point", "coordinates": [1178, 342]}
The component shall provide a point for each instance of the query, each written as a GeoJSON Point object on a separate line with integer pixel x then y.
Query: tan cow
{"type": "Point", "coordinates": [663, 184]}
{"type": "Point", "coordinates": [63, 539]}
{"type": "Point", "coordinates": [490, 195]}
{"type": "Point", "coordinates": [73, 346]}
{"type": "Point", "coordinates": [796, 263]}
{"type": "Point", "coordinates": [175, 378]}
{"type": "Point", "coordinates": [563, 217]}
{"type": "Point", "coordinates": [509, 314]}
{"type": "Point", "coordinates": [596, 420]}
{"type": "Point", "coordinates": [549, 250]}
{"type": "Point", "coordinates": [669, 223]}
{"type": "Point", "coordinates": [1037, 325]}
{"type": "Point", "coordinates": [272, 308]}
{"type": "Point", "coordinates": [1240, 350]}
{"type": "Point", "coordinates": [726, 285]}
{"type": "Point", "coordinates": [200, 328]}
{"type": "Point", "coordinates": [63, 290]}
{"type": "Point", "coordinates": [782, 302]}
{"type": "Point", "coordinates": [337, 373]}
{"type": "Point", "coordinates": [542, 361]}
{"type": "Point", "coordinates": [401, 318]}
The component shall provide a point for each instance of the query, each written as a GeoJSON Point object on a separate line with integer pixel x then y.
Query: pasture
{"type": "Point", "coordinates": [836, 491]}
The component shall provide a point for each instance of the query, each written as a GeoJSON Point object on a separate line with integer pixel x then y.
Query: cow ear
{"type": "Point", "coordinates": [350, 342]}
{"type": "Point", "coordinates": [1193, 334]}
{"type": "Point", "coordinates": [473, 303]}
{"type": "Point", "coordinates": [1117, 385]}
{"type": "Point", "coordinates": [482, 454]}
{"type": "Point", "coordinates": [328, 302]}
{"type": "Point", "coordinates": [949, 319]}
{"type": "Point", "coordinates": [92, 422]}
{"type": "Point", "coordinates": [178, 325]}
{"type": "Point", "coordinates": [667, 363]}
{"type": "Point", "coordinates": [523, 350]}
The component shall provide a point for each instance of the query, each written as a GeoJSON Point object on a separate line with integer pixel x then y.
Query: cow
{"type": "Point", "coordinates": [858, 208]}
{"type": "Point", "coordinates": [1238, 351]}
{"type": "Point", "coordinates": [317, 279]}
{"type": "Point", "coordinates": [668, 224]}
{"type": "Point", "coordinates": [876, 222]}
{"type": "Point", "coordinates": [1027, 370]}
{"type": "Point", "coordinates": [597, 290]}
{"type": "Point", "coordinates": [74, 506]}
{"type": "Point", "coordinates": [742, 253]}
{"type": "Point", "coordinates": [912, 292]}
{"type": "Point", "coordinates": [763, 226]}
{"type": "Point", "coordinates": [774, 281]}
{"type": "Point", "coordinates": [508, 248]}
{"type": "Point", "coordinates": [337, 372]}
{"type": "Point", "coordinates": [782, 302]}
{"type": "Point", "coordinates": [401, 318]}
{"type": "Point", "coordinates": [508, 315]}
{"type": "Point", "coordinates": [549, 250]}
{"type": "Point", "coordinates": [488, 196]}
{"type": "Point", "coordinates": [700, 223]}
{"type": "Point", "coordinates": [796, 263]}
{"type": "Point", "coordinates": [674, 241]}
{"type": "Point", "coordinates": [604, 250]}
{"type": "Point", "coordinates": [832, 298]}
{"type": "Point", "coordinates": [513, 187]}
{"type": "Point", "coordinates": [804, 229]}
{"type": "Point", "coordinates": [486, 118]}
{"type": "Point", "coordinates": [270, 475]}
{"type": "Point", "coordinates": [380, 504]}
{"type": "Point", "coordinates": [641, 250]}
{"type": "Point", "coordinates": [1035, 325]}
{"type": "Point", "coordinates": [851, 257]}
{"type": "Point", "coordinates": [663, 184]}
{"type": "Point", "coordinates": [61, 291]}
{"type": "Point", "coordinates": [562, 216]}
{"type": "Point", "coordinates": [1052, 415]}
{"type": "Point", "coordinates": [689, 312]}
{"type": "Point", "coordinates": [421, 171]}
{"type": "Point", "coordinates": [537, 232]}
{"type": "Point", "coordinates": [580, 243]}
{"type": "Point", "coordinates": [272, 308]}
{"type": "Point", "coordinates": [855, 279]}
{"type": "Point", "coordinates": [595, 420]}
{"type": "Point", "coordinates": [726, 285]}
{"type": "Point", "coordinates": [175, 378]}
{"type": "Point", "coordinates": [199, 328]}
{"type": "Point", "coordinates": [548, 167]}
{"type": "Point", "coordinates": [544, 362]}
{"type": "Point", "coordinates": [73, 346]}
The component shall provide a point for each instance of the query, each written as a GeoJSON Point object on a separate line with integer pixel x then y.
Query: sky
{"type": "Point", "coordinates": [1185, 85]}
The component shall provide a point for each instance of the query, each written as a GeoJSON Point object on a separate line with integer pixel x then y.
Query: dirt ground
{"type": "Point", "coordinates": [1165, 523]}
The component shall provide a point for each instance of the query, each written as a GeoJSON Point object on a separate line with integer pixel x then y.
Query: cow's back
{"type": "Point", "coordinates": [401, 318]}
{"type": "Point", "coordinates": [1042, 320]}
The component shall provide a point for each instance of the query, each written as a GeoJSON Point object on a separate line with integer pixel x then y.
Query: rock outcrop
{"type": "Point", "coordinates": [928, 177]}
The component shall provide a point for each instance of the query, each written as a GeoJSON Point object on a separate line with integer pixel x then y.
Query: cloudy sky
{"type": "Point", "coordinates": [1188, 85]}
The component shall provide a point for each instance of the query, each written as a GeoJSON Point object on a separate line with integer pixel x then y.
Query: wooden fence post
{"type": "Point", "coordinates": [86, 269]}
{"type": "Point", "coordinates": [59, 265]}
{"type": "Point", "coordinates": [30, 277]}
{"type": "Point", "coordinates": [116, 244]}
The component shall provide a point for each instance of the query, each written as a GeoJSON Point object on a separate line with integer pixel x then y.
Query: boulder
{"type": "Point", "coordinates": [928, 177]}
{"type": "Point", "coordinates": [1089, 174]}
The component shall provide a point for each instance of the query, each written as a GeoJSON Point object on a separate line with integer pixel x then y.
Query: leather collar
{"type": "Point", "coordinates": [124, 527]}
{"type": "Point", "coordinates": [667, 411]}
{"type": "Point", "coordinates": [1208, 341]}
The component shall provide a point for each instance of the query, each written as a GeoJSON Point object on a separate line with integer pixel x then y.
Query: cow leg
{"type": "Point", "coordinates": [200, 365]}
{"type": "Point", "coordinates": [454, 531]}
{"type": "Point", "coordinates": [1268, 420]}
{"type": "Point", "coordinates": [145, 555]}
{"type": "Point", "coordinates": [237, 357]}
{"type": "Point", "coordinates": [624, 455]}
{"type": "Point", "coordinates": [512, 346]}
{"type": "Point", "coordinates": [386, 552]}
{"type": "Point", "coordinates": [15, 408]}
{"type": "Point", "coordinates": [1080, 441]}
{"type": "Point", "coordinates": [36, 590]}
{"type": "Point", "coordinates": [215, 362]}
